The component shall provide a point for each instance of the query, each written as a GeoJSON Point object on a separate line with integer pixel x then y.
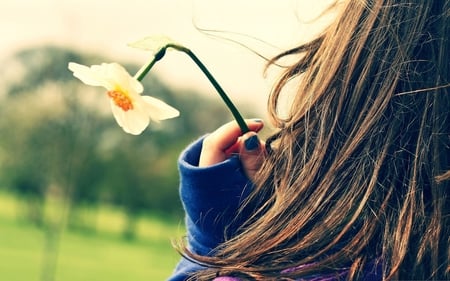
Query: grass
{"type": "Point", "coordinates": [98, 256]}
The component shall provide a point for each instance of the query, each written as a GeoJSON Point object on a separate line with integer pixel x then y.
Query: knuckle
{"type": "Point", "coordinates": [208, 141]}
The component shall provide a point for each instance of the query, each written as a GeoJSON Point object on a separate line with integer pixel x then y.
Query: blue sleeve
{"type": "Point", "coordinates": [211, 197]}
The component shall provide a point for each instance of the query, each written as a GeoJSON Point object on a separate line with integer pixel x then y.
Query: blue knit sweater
{"type": "Point", "coordinates": [211, 197]}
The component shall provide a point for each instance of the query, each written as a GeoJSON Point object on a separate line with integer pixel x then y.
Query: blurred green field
{"type": "Point", "coordinates": [83, 256]}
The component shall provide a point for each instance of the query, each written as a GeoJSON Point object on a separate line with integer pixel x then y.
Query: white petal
{"type": "Point", "coordinates": [136, 121]}
{"type": "Point", "coordinates": [133, 121]}
{"type": "Point", "coordinates": [159, 110]}
{"type": "Point", "coordinates": [135, 86]}
{"type": "Point", "coordinates": [123, 79]}
{"type": "Point", "coordinates": [118, 114]}
{"type": "Point", "coordinates": [94, 75]}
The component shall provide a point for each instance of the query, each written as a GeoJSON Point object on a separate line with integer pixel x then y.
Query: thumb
{"type": "Point", "coordinates": [252, 154]}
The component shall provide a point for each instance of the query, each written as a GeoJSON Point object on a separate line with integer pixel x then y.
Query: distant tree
{"type": "Point", "coordinates": [58, 136]}
{"type": "Point", "coordinates": [59, 141]}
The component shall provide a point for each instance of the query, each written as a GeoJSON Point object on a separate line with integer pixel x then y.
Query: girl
{"type": "Point", "coordinates": [354, 184]}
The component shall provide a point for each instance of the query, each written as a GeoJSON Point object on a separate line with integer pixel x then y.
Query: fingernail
{"type": "Point", "coordinates": [257, 120]}
{"type": "Point", "coordinates": [251, 143]}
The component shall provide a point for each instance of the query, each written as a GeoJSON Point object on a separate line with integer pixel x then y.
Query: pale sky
{"type": "Point", "coordinates": [107, 26]}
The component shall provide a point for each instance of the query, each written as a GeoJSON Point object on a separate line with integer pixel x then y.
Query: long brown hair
{"type": "Point", "coordinates": [358, 172]}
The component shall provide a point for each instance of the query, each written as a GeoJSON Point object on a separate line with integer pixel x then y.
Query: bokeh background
{"type": "Point", "coordinates": [79, 198]}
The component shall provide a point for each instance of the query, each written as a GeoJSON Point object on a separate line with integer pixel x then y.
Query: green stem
{"type": "Point", "coordinates": [144, 70]}
{"type": "Point", "coordinates": [234, 111]}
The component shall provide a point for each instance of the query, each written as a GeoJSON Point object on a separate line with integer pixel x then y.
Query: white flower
{"type": "Point", "coordinates": [132, 111]}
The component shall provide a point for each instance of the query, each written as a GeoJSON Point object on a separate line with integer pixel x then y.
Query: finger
{"type": "Point", "coordinates": [221, 143]}
{"type": "Point", "coordinates": [252, 154]}
{"type": "Point", "coordinates": [227, 135]}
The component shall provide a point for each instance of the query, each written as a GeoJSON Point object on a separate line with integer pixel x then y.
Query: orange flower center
{"type": "Point", "coordinates": [121, 99]}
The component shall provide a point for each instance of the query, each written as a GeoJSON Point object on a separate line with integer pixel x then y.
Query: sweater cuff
{"type": "Point", "coordinates": [227, 174]}
{"type": "Point", "coordinates": [211, 197]}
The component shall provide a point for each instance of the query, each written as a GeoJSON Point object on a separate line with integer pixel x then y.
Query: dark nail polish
{"type": "Point", "coordinates": [252, 143]}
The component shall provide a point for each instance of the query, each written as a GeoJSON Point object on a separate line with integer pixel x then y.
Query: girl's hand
{"type": "Point", "coordinates": [228, 140]}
